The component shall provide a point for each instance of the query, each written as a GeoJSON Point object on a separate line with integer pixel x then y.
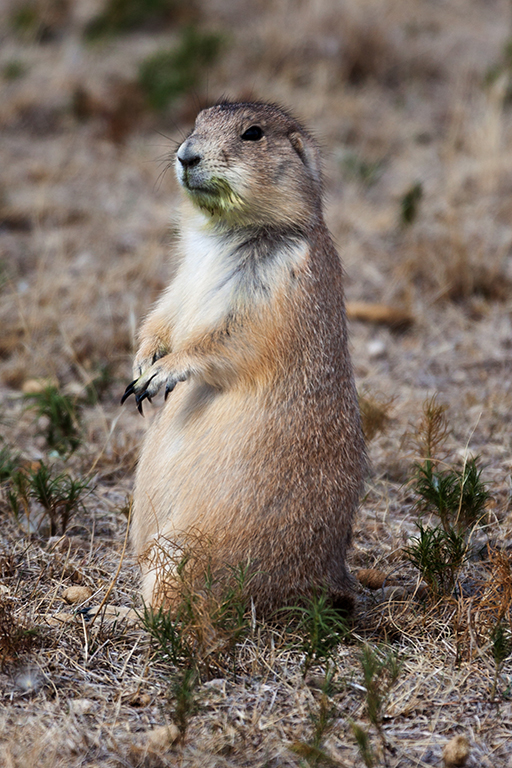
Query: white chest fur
{"type": "Point", "coordinates": [204, 288]}
{"type": "Point", "coordinates": [214, 279]}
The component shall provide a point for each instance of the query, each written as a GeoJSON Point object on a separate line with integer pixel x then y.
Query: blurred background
{"type": "Point", "coordinates": [412, 104]}
{"type": "Point", "coordinates": [411, 101]}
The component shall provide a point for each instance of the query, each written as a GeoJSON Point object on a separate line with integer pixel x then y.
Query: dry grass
{"type": "Point", "coordinates": [86, 222]}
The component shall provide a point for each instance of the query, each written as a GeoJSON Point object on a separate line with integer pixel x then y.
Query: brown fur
{"type": "Point", "coordinates": [259, 448]}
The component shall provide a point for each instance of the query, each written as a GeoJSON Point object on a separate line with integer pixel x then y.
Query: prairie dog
{"type": "Point", "coordinates": [259, 447]}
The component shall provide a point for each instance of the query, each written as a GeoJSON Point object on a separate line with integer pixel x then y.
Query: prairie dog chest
{"type": "Point", "coordinates": [220, 275]}
{"type": "Point", "coordinates": [204, 290]}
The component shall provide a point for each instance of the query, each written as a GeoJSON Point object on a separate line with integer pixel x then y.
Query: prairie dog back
{"type": "Point", "coordinates": [258, 448]}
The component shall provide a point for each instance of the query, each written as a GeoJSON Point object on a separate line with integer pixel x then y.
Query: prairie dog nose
{"type": "Point", "coordinates": [188, 156]}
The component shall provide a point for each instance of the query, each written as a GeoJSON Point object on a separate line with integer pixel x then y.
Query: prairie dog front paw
{"type": "Point", "coordinates": [148, 384]}
{"type": "Point", "coordinates": [149, 352]}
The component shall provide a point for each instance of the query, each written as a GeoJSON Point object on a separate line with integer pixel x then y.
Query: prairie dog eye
{"type": "Point", "coordinates": [254, 133]}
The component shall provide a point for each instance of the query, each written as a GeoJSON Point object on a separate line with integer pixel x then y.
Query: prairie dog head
{"type": "Point", "coordinates": [251, 164]}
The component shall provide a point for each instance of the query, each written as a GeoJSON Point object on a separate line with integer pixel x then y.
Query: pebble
{"type": "Point", "coordinates": [160, 739]}
{"type": "Point", "coordinates": [376, 348]}
{"type": "Point", "coordinates": [81, 706]}
{"type": "Point", "coordinates": [76, 594]}
{"type": "Point", "coordinates": [456, 752]}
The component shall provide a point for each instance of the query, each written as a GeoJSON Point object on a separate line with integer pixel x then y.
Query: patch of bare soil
{"type": "Point", "coordinates": [412, 104]}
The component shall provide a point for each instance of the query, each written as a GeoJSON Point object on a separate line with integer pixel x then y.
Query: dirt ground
{"type": "Point", "coordinates": [412, 104]}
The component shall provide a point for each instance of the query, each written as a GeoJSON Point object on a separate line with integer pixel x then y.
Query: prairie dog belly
{"type": "Point", "coordinates": [194, 454]}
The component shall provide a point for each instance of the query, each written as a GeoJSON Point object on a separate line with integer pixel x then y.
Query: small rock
{"type": "Point", "coordinates": [35, 386]}
{"type": "Point", "coordinates": [81, 706]}
{"type": "Point", "coordinates": [112, 614]}
{"type": "Point", "coordinates": [371, 578]}
{"type": "Point", "coordinates": [63, 543]}
{"type": "Point", "coordinates": [139, 699]}
{"type": "Point", "coordinates": [421, 590]}
{"type": "Point", "coordinates": [29, 680]}
{"type": "Point", "coordinates": [395, 593]}
{"type": "Point", "coordinates": [218, 684]}
{"type": "Point", "coordinates": [376, 348]}
{"type": "Point", "coordinates": [74, 389]}
{"type": "Point", "coordinates": [160, 739]}
{"type": "Point", "coordinates": [58, 619]}
{"type": "Point", "coordinates": [76, 594]}
{"type": "Point", "coordinates": [456, 752]}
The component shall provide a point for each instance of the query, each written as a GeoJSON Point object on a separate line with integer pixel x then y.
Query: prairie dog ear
{"type": "Point", "coordinates": [308, 153]}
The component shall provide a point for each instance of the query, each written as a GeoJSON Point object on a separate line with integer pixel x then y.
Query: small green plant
{"type": "Point", "coordinates": [61, 411]}
{"type": "Point", "coordinates": [9, 463]}
{"type": "Point", "coordinates": [433, 429]}
{"type": "Point", "coordinates": [368, 172]}
{"type": "Point", "coordinates": [230, 614]}
{"type": "Point", "coordinates": [375, 411]}
{"type": "Point", "coordinates": [166, 75]}
{"type": "Point", "coordinates": [98, 385]}
{"type": "Point", "coordinates": [185, 702]}
{"type": "Point", "coordinates": [322, 719]}
{"type": "Point", "coordinates": [502, 67]}
{"type": "Point", "coordinates": [24, 21]}
{"type": "Point", "coordinates": [16, 639]}
{"type": "Point", "coordinates": [457, 497]}
{"type": "Point", "coordinates": [438, 555]}
{"type": "Point", "coordinates": [321, 627]}
{"type": "Point", "coordinates": [381, 668]}
{"type": "Point", "coordinates": [501, 648]}
{"type": "Point", "coordinates": [209, 616]}
{"type": "Point", "coordinates": [169, 635]}
{"type": "Point", "coordinates": [13, 70]}
{"type": "Point", "coordinates": [364, 744]}
{"type": "Point", "coordinates": [410, 203]}
{"type": "Point", "coordinates": [120, 16]}
{"type": "Point", "coordinates": [58, 495]}
{"type": "Point", "coordinates": [175, 645]}
{"type": "Point", "coordinates": [18, 494]}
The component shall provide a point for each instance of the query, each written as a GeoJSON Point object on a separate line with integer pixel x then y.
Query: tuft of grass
{"type": "Point", "coordinates": [356, 168]}
{"type": "Point", "coordinates": [169, 635]}
{"type": "Point", "coordinates": [501, 648]}
{"type": "Point", "coordinates": [457, 497]}
{"type": "Point", "coordinates": [321, 627]}
{"type": "Point", "coordinates": [15, 638]}
{"type": "Point", "coordinates": [503, 66]}
{"type": "Point", "coordinates": [375, 411]}
{"type": "Point", "coordinates": [39, 20]}
{"type": "Point", "coordinates": [364, 744]}
{"type": "Point", "coordinates": [59, 495]}
{"type": "Point", "coordinates": [13, 70]}
{"type": "Point", "coordinates": [98, 385]}
{"type": "Point", "coordinates": [322, 719]}
{"type": "Point", "coordinates": [202, 618]}
{"type": "Point", "coordinates": [168, 74]}
{"type": "Point", "coordinates": [433, 428]}
{"type": "Point", "coordinates": [120, 16]}
{"type": "Point", "coordinates": [185, 702]}
{"type": "Point", "coordinates": [61, 411]}
{"type": "Point", "coordinates": [24, 21]}
{"type": "Point", "coordinates": [410, 204]}
{"type": "Point", "coordinates": [438, 555]}
{"type": "Point", "coordinates": [381, 669]}
{"type": "Point", "coordinates": [9, 463]}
